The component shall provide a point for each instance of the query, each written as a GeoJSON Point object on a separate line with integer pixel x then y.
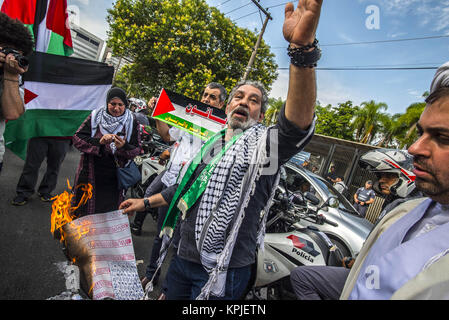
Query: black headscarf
{"type": "Point", "coordinates": [117, 93]}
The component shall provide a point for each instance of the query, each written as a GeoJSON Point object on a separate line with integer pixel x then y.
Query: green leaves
{"type": "Point", "coordinates": [182, 45]}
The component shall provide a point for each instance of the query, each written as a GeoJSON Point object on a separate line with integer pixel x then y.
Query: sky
{"type": "Point", "coordinates": [352, 34]}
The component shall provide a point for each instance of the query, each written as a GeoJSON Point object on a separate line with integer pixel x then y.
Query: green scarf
{"type": "Point", "coordinates": [189, 197]}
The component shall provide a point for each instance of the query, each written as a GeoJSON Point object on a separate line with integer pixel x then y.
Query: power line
{"type": "Point", "coordinates": [245, 5]}
{"type": "Point", "coordinates": [222, 3]}
{"type": "Point", "coordinates": [370, 68]}
{"type": "Point", "coordinates": [377, 41]}
{"type": "Point", "coordinates": [254, 12]}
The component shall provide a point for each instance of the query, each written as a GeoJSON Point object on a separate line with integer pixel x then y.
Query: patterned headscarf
{"type": "Point", "coordinates": [107, 123]}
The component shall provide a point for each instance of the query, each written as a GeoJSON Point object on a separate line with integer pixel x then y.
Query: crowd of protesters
{"type": "Point", "coordinates": [211, 210]}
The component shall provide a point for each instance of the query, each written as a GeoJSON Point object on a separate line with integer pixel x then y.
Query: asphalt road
{"type": "Point", "coordinates": [28, 253]}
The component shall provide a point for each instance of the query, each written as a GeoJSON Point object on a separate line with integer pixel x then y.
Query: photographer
{"type": "Point", "coordinates": [15, 41]}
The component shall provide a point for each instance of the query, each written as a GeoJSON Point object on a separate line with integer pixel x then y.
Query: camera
{"type": "Point", "coordinates": [23, 61]}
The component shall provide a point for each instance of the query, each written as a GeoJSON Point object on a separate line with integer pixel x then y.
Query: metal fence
{"type": "Point", "coordinates": [344, 156]}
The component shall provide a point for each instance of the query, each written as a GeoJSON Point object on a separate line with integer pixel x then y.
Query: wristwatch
{"type": "Point", "coordinates": [146, 203]}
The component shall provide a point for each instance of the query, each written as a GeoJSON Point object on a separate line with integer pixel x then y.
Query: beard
{"type": "Point", "coordinates": [235, 123]}
{"type": "Point", "coordinates": [433, 186]}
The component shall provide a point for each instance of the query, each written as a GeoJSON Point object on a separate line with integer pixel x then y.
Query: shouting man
{"type": "Point", "coordinates": [222, 192]}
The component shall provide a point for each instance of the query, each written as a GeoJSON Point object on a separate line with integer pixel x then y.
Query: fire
{"type": "Point", "coordinates": [63, 212]}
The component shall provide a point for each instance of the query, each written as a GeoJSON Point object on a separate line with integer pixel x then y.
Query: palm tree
{"type": "Point", "coordinates": [274, 106]}
{"type": "Point", "coordinates": [409, 120]}
{"type": "Point", "coordinates": [367, 120]}
{"type": "Point", "coordinates": [391, 128]}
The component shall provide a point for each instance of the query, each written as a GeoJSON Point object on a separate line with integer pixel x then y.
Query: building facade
{"type": "Point", "coordinates": [85, 44]}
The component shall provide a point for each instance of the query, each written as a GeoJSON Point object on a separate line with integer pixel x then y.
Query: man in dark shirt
{"type": "Point", "coordinates": [244, 192]}
{"type": "Point", "coordinates": [331, 176]}
{"type": "Point", "coordinates": [363, 197]}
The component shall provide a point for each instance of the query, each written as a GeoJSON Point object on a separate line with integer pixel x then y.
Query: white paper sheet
{"type": "Point", "coordinates": [102, 245]}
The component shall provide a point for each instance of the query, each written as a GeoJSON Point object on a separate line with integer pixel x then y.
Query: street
{"type": "Point", "coordinates": [29, 254]}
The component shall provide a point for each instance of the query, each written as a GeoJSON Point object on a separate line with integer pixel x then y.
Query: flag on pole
{"type": "Point", "coordinates": [47, 21]}
{"type": "Point", "coordinates": [60, 92]}
{"type": "Point", "coordinates": [192, 116]}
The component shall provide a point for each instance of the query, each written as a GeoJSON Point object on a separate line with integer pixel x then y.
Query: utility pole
{"type": "Point", "coordinates": [253, 55]}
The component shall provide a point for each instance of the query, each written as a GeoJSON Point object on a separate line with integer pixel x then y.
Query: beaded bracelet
{"type": "Point", "coordinates": [302, 58]}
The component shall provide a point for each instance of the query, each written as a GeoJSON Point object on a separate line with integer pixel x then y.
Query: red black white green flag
{"type": "Point", "coordinates": [46, 19]}
{"type": "Point", "coordinates": [192, 116]}
{"type": "Point", "coordinates": [60, 92]}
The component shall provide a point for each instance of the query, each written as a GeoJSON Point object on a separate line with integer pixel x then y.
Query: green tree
{"type": "Point", "coordinates": [409, 120]}
{"type": "Point", "coordinates": [182, 45]}
{"type": "Point", "coordinates": [274, 106]}
{"type": "Point", "coordinates": [367, 121]}
{"type": "Point", "coordinates": [391, 127]}
{"type": "Point", "coordinates": [336, 121]}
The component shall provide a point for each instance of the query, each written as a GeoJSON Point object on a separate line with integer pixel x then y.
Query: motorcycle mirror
{"type": "Point", "coordinates": [312, 198]}
{"type": "Point", "coordinates": [332, 202]}
{"type": "Point", "coordinates": [283, 174]}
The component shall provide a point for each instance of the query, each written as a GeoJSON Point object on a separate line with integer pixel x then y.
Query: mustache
{"type": "Point", "coordinates": [422, 165]}
{"type": "Point", "coordinates": [241, 109]}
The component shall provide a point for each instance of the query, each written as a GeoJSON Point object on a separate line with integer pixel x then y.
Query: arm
{"type": "Point", "coordinates": [132, 205]}
{"type": "Point", "coordinates": [83, 141]}
{"type": "Point", "coordinates": [356, 199]}
{"type": "Point", "coordinates": [128, 150]}
{"type": "Point", "coordinates": [371, 200]}
{"type": "Point", "coordinates": [299, 29]}
{"type": "Point", "coordinates": [162, 129]}
{"type": "Point", "coordinates": [11, 101]}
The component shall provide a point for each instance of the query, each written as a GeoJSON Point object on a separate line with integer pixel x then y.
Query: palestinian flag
{"type": "Point", "coordinates": [23, 10]}
{"type": "Point", "coordinates": [46, 20]}
{"type": "Point", "coordinates": [193, 116]}
{"type": "Point", "coordinates": [60, 92]}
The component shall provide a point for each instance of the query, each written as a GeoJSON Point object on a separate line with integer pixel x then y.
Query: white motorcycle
{"type": "Point", "coordinates": [150, 168]}
{"type": "Point", "coordinates": [288, 244]}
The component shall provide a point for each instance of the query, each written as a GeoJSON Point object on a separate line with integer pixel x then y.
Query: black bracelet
{"type": "Point", "coordinates": [146, 203]}
{"type": "Point", "coordinates": [302, 58]}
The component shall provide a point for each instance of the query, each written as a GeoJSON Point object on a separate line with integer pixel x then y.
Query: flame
{"type": "Point", "coordinates": [63, 212]}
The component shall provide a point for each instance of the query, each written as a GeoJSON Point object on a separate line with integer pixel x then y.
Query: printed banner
{"type": "Point", "coordinates": [101, 246]}
{"type": "Point", "coordinates": [195, 117]}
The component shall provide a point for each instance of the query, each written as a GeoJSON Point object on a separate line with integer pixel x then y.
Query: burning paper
{"type": "Point", "coordinates": [101, 246]}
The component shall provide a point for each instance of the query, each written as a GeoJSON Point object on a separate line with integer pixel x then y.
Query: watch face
{"type": "Point", "coordinates": [146, 203]}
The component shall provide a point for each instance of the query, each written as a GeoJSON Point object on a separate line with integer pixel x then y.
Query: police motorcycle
{"type": "Point", "coordinates": [288, 244]}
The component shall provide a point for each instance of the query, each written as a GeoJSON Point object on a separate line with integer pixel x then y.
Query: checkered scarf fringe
{"type": "Point", "coordinates": [234, 179]}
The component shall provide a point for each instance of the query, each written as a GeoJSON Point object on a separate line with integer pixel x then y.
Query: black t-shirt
{"type": "Point", "coordinates": [291, 140]}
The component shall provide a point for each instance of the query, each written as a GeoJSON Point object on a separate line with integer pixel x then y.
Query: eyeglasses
{"type": "Point", "coordinates": [116, 104]}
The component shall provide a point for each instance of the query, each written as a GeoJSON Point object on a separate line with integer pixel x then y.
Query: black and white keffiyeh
{"type": "Point", "coordinates": [109, 124]}
{"type": "Point", "coordinates": [219, 217]}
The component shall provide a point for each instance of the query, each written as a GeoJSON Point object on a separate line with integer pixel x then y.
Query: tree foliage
{"type": "Point", "coordinates": [272, 113]}
{"type": "Point", "coordinates": [336, 121]}
{"type": "Point", "coordinates": [182, 45]}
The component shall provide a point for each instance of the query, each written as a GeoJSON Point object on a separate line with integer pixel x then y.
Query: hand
{"type": "Point", "coordinates": [152, 103]}
{"type": "Point", "coordinates": [300, 25]}
{"type": "Point", "coordinates": [10, 66]}
{"type": "Point", "coordinates": [119, 141]}
{"type": "Point", "coordinates": [107, 138]}
{"type": "Point", "coordinates": [131, 205]}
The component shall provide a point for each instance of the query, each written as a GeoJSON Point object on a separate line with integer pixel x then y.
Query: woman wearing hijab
{"type": "Point", "coordinates": [109, 134]}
